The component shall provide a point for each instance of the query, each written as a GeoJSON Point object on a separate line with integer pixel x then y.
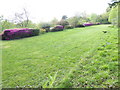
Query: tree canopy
{"type": "Point", "coordinates": [113, 13]}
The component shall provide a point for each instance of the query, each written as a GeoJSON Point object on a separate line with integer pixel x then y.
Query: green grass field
{"type": "Point", "coordinates": [74, 58]}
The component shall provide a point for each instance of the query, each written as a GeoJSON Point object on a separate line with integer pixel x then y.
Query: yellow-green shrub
{"type": "Point", "coordinates": [42, 31]}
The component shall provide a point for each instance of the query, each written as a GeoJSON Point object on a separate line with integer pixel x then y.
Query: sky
{"type": "Point", "coordinates": [46, 10]}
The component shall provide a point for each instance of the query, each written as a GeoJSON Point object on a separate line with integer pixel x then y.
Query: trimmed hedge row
{"type": "Point", "coordinates": [61, 28]}
{"type": "Point", "coordinates": [10, 34]}
{"type": "Point", "coordinates": [88, 24]}
{"type": "Point", "coordinates": [77, 26]}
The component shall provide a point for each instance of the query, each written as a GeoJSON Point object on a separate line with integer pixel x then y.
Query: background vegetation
{"type": "Point", "coordinates": [21, 20]}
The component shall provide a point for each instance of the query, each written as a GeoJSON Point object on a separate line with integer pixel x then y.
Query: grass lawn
{"type": "Point", "coordinates": [74, 58]}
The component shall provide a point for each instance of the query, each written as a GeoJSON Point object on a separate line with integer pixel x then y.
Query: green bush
{"type": "Point", "coordinates": [35, 32]}
{"type": "Point", "coordinates": [42, 31]}
{"type": "Point", "coordinates": [46, 27]}
{"type": "Point", "coordinates": [68, 27]}
{"type": "Point", "coordinates": [63, 23]}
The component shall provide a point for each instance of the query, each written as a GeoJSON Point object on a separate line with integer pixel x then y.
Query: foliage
{"type": "Point", "coordinates": [5, 24]}
{"type": "Point", "coordinates": [42, 31]}
{"type": "Point", "coordinates": [1, 19]}
{"type": "Point", "coordinates": [18, 33]}
{"type": "Point", "coordinates": [93, 18]}
{"type": "Point", "coordinates": [22, 19]}
{"type": "Point", "coordinates": [64, 17]}
{"type": "Point", "coordinates": [80, 25]}
{"type": "Point", "coordinates": [113, 16]}
{"type": "Point", "coordinates": [54, 22]}
{"type": "Point", "coordinates": [103, 18]}
{"type": "Point", "coordinates": [57, 28]}
{"type": "Point", "coordinates": [73, 21]}
{"type": "Point", "coordinates": [88, 24]}
{"type": "Point", "coordinates": [63, 23]}
{"type": "Point", "coordinates": [114, 12]}
{"type": "Point", "coordinates": [75, 54]}
{"type": "Point", "coordinates": [113, 3]}
{"type": "Point", "coordinates": [68, 27]}
{"type": "Point", "coordinates": [29, 23]}
{"type": "Point", "coordinates": [79, 19]}
{"type": "Point", "coordinates": [46, 27]}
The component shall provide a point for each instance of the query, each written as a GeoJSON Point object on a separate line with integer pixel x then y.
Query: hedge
{"type": "Point", "coordinates": [80, 25]}
{"type": "Point", "coordinates": [10, 34]}
{"type": "Point", "coordinates": [88, 24]}
{"type": "Point", "coordinates": [57, 28]}
{"type": "Point", "coordinates": [47, 28]}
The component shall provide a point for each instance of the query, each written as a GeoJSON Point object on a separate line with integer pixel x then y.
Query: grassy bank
{"type": "Point", "coordinates": [80, 57]}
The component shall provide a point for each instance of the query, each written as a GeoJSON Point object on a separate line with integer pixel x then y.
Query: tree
{"type": "Point", "coordinates": [63, 21]}
{"type": "Point", "coordinates": [113, 3]}
{"type": "Point", "coordinates": [78, 19]}
{"type": "Point", "coordinates": [54, 21]}
{"type": "Point", "coordinates": [1, 19]}
{"type": "Point", "coordinates": [26, 15]}
{"type": "Point", "coordinates": [21, 17]}
{"type": "Point", "coordinates": [64, 17]}
{"type": "Point", "coordinates": [93, 18]}
{"type": "Point", "coordinates": [73, 21]}
{"type": "Point", "coordinates": [103, 18]}
{"type": "Point", "coordinates": [113, 14]}
{"type": "Point", "coordinates": [29, 23]}
{"type": "Point", "coordinates": [115, 0]}
{"type": "Point", "coordinates": [5, 24]}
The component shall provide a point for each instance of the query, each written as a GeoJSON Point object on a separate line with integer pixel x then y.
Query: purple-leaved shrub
{"type": "Point", "coordinates": [88, 24]}
{"type": "Point", "coordinates": [10, 34]}
{"type": "Point", "coordinates": [57, 28]}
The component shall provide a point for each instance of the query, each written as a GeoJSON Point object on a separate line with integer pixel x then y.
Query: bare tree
{"type": "Point", "coordinates": [22, 19]}
{"type": "Point", "coordinates": [19, 19]}
{"type": "Point", "coordinates": [1, 19]}
{"type": "Point", "coordinates": [26, 15]}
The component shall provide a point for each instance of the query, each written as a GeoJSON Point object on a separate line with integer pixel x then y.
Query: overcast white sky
{"type": "Point", "coordinates": [46, 10]}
